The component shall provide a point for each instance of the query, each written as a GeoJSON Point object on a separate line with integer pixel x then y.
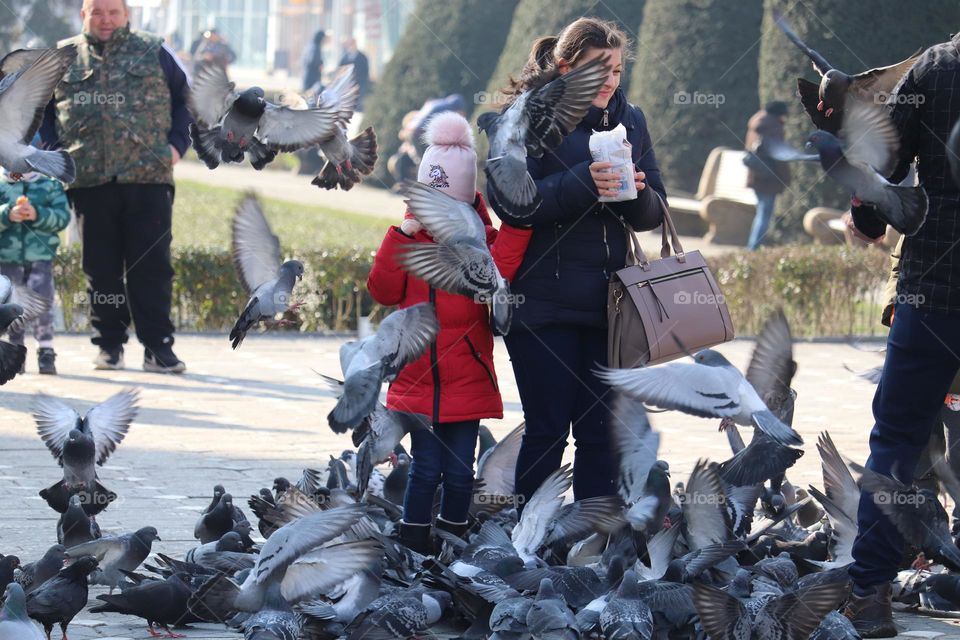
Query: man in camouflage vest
{"type": "Point", "coordinates": [121, 112]}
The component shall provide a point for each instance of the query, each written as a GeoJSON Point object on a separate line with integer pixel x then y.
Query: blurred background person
{"type": "Point", "coordinates": [773, 177]}
{"type": "Point", "coordinates": [313, 64]}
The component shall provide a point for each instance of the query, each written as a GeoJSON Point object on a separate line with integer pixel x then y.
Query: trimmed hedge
{"type": "Point", "coordinates": [825, 291]}
{"type": "Point", "coordinates": [852, 36]}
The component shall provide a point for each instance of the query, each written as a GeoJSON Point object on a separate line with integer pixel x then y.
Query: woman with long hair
{"type": "Point", "coordinates": [559, 330]}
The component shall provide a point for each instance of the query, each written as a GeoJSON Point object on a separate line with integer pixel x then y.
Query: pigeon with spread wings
{"type": "Point", "coordinates": [29, 79]}
{"type": "Point", "coordinates": [230, 123]}
{"type": "Point", "coordinates": [256, 256]}
{"type": "Point", "coordinates": [536, 122]}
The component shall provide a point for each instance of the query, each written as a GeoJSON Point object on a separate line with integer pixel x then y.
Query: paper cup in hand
{"type": "Point", "coordinates": [613, 147]}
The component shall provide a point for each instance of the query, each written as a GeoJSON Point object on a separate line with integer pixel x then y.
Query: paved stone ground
{"type": "Point", "coordinates": [242, 418]}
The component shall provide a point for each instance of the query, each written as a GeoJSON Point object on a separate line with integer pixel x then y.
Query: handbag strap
{"type": "Point", "coordinates": [635, 253]}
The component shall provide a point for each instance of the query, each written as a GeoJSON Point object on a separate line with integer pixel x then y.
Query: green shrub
{"type": "Point", "coordinates": [825, 291]}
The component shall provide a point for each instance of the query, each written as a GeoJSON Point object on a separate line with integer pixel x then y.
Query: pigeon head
{"type": "Point", "coordinates": [147, 535]}
{"type": "Point", "coordinates": [280, 485]}
{"type": "Point", "coordinates": [546, 590]}
{"type": "Point", "coordinates": [250, 103]}
{"type": "Point", "coordinates": [833, 88]}
{"type": "Point", "coordinates": [711, 358]}
{"type": "Point", "coordinates": [292, 267]}
{"type": "Point", "coordinates": [80, 568]}
{"type": "Point", "coordinates": [436, 603]}
{"type": "Point", "coordinates": [218, 491]}
{"type": "Point", "coordinates": [75, 502]}
{"type": "Point", "coordinates": [822, 141]}
{"type": "Point", "coordinates": [629, 586]}
{"type": "Point", "coordinates": [663, 466]}
{"type": "Point", "coordinates": [9, 562]}
{"type": "Point", "coordinates": [265, 494]}
{"type": "Point", "coordinates": [230, 541]}
{"type": "Point", "coordinates": [508, 566]}
{"type": "Point", "coordinates": [226, 500]}
{"type": "Point", "coordinates": [56, 551]}
{"type": "Point", "coordinates": [15, 603]}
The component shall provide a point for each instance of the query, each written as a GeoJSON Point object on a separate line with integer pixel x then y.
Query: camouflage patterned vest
{"type": "Point", "coordinates": [113, 111]}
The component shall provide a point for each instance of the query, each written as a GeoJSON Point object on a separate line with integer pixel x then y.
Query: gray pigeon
{"type": "Point", "coordinates": [497, 471]}
{"type": "Point", "coordinates": [160, 602]}
{"type": "Point", "coordinates": [458, 260]}
{"type": "Point", "coordinates": [12, 356]}
{"type": "Point", "coordinates": [14, 623]}
{"type": "Point", "coordinates": [34, 574]}
{"type": "Point", "coordinates": [953, 152]}
{"type": "Point", "coordinates": [549, 617]}
{"type": "Point", "coordinates": [403, 614]}
{"type": "Point", "coordinates": [711, 387]}
{"type": "Point", "coordinates": [34, 305]}
{"type": "Point", "coordinates": [626, 614]}
{"type": "Point", "coordinates": [826, 103]}
{"type": "Point", "coordinates": [644, 481]}
{"type": "Point", "coordinates": [791, 616]}
{"type": "Point", "coordinates": [80, 444]}
{"type": "Point", "coordinates": [75, 526]}
{"type": "Point", "coordinates": [256, 257]}
{"type": "Point", "coordinates": [230, 123]}
{"type": "Point", "coordinates": [212, 526]}
{"type": "Point", "coordinates": [116, 554]}
{"type": "Point", "coordinates": [835, 626]}
{"type": "Point", "coordinates": [24, 95]}
{"type": "Point", "coordinates": [401, 338]}
{"type": "Point", "coordinates": [61, 598]}
{"type": "Point", "coordinates": [861, 157]}
{"type": "Point", "coordinates": [508, 620]}
{"type": "Point", "coordinates": [536, 122]}
{"type": "Point", "coordinates": [387, 429]}
{"type": "Point", "coordinates": [348, 160]}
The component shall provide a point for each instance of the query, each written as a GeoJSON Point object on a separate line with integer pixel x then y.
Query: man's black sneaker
{"type": "Point", "coordinates": [162, 359]}
{"type": "Point", "coordinates": [109, 358]}
{"type": "Point", "coordinates": [46, 358]}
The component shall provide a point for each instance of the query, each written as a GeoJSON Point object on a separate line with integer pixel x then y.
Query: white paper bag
{"type": "Point", "coordinates": [613, 147]}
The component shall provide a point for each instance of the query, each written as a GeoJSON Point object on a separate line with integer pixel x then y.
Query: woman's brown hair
{"type": "Point", "coordinates": [575, 39]}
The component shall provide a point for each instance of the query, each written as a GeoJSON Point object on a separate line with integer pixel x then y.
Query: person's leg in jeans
{"type": "Point", "coordinates": [15, 272]}
{"type": "Point", "coordinates": [548, 387]}
{"type": "Point", "coordinates": [148, 213]}
{"type": "Point", "coordinates": [458, 442]}
{"type": "Point", "coordinates": [40, 281]}
{"type": "Point", "coordinates": [919, 367]}
{"type": "Point", "coordinates": [761, 220]}
{"type": "Point", "coordinates": [426, 471]}
{"type": "Point", "coordinates": [593, 466]}
{"type": "Point", "coordinates": [98, 212]}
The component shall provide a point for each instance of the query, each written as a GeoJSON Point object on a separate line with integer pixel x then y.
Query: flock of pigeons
{"type": "Point", "coordinates": [736, 552]}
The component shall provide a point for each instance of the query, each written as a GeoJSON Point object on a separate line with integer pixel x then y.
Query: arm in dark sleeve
{"type": "Point", "coordinates": [48, 127]}
{"type": "Point", "coordinates": [644, 213]}
{"type": "Point", "coordinates": [180, 118]}
{"type": "Point", "coordinates": [566, 195]}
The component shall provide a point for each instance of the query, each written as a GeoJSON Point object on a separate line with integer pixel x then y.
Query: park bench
{"type": "Point", "coordinates": [723, 206]}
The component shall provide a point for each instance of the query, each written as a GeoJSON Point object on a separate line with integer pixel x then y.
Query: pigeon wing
{"type": "Point", "coordinates": [880, 82]}
{"type": "Point", "coordinates": [635, 443]}
{"type": "Point", "coordinates": [869, 135]}
{"type": "Point", "coordinates": [256, 250]}
{"type": "Point", "coordinates": [407, 333]}
{"type": "Point", "coordinates": [819, 62]}
{"type": "Point", "coordinates": [324, 568]}
{"type": "Point", "coordinates": [341, 95]}
{"type": "Point", "coordinates": [211, 94]}
{"type": "Point", "coordinates": [289, 129]}
{"type": "Point", "coordinates": [54, 421]}
{"type": "Point", "coordinates": [24, 94]}
{"type": "Point", "coordinates": [707, 392]}
{"type": "Point", "coordinates": [457, 268]}
{"type": "Point", "coordinates": [772, 366]}
{"type": "Point", "coordinates": [498, 466]}
{"type": "Point", "coordinates": [110, 420]}
{"type": "Point", "coordinates": [447, 219]}
{"type": "Point", "coordinates": [540, 511]}
{"type": "Point", "coordinates": [723, 617]}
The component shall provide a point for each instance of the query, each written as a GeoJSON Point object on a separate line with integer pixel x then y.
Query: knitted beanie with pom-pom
{"type": "Point", "coordinates": [450, 160]}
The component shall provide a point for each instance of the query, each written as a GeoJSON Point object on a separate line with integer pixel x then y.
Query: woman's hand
{"type": "Point", "coordinates": [608, 182]}
{"type": "Point", "coordinates": [638, 179]}
{"type": "Point", "coordinates": [410, 226]}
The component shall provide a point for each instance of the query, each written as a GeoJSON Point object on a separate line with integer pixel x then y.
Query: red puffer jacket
{"type": "Point", "coordinates": [454, 380]}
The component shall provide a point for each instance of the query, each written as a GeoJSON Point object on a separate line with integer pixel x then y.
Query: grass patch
{"type": "Point", "coordinates": [202, 215]}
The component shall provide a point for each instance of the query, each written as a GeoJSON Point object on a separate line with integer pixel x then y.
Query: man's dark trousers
{"type": "Point", "coordinates": [126, 231]}
{"type": "Point", "coordinates": [921, 361]}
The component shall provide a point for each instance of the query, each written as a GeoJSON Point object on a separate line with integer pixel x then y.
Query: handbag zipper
{"type": "Point", "coordinates": [672, 276]}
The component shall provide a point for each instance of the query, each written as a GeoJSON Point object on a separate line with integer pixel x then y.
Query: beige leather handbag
{"type": "Point", "coordinates": [659, 311]}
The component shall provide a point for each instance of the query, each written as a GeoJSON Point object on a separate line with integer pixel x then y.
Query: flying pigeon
{"type": "Point", "coordinates": [34, 305]}
{"type": "Point", "coordinates": [230, 123]}
{"type": "Point", "coordinates": [24, 94]}
{"type": "Point", "coordinates": [80, 444]}
{"type": "Point", "coordinates": [535, 123]}
{"type": "Point", "coordinates": [860, 158]}
{"type": "Point", "coordinates": [12, 356]}
{"type": "Point", "coordinates": [711, 387]}
{"type": "Point", "coordinates": [256, 256]}
{"type": "Point", "coordinates": [459, 260]}
{"type": "Point", "coordinates": [827, 102]}
{"type": "Point", "coordinates": [401, 338]}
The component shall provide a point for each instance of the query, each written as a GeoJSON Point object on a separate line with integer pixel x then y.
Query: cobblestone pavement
{"type": "Point", "coordinates": [241, 418]}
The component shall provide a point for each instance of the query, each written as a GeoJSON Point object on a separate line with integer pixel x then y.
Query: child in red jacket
{"type": "Point", "coordinates": [454, 381]}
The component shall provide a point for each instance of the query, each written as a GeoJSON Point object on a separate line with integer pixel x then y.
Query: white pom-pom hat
{"type": "Point", "coordinates": [450, 161]}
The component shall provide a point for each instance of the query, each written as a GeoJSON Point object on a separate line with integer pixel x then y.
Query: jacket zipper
{"type": "Point", "coordinates": [556, 244]}
{"type": "Point", "coordinates": [434, 368]}
{"type": "Point", "coordinates": [478, 358]}
{"type": "Point", "coordinates": [606, 118]}
{"type": "Point", "coordinates": [23, 248]}
{"type": "Point", "coordinates": [606, 247]}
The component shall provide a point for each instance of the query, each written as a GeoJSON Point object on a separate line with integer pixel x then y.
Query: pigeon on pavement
{"type": "Point", "coordinates": [24, 95]}
{"type": "Point", "coordinates": [60, 599]}
{"type": "Point", "coordinates": [116, 554]}
{"type": "Point", "coordinates": [14, 623]}
{"type": "Point", "coordinates": [256, 257]}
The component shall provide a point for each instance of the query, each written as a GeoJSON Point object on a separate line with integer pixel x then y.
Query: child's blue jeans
{"type": "Point", "coordinates": [445, 457]}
